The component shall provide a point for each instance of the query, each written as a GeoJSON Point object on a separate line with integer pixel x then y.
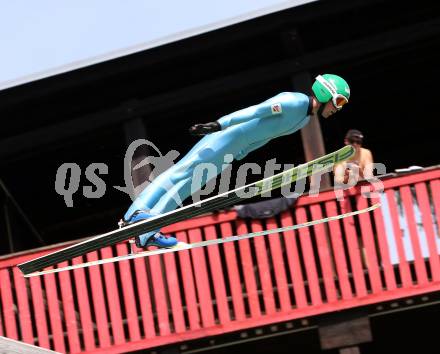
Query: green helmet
{"type": "Point", "coordinates": [329, 86]}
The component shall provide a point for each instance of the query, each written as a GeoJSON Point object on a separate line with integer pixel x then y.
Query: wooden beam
{"type": "Point", "coordinates": [341, 332]}
{"type": "Point", "coordinates": [311, 134]}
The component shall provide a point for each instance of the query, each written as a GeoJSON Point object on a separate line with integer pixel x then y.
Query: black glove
{"type": "Point", "coordinates": [204, 129]}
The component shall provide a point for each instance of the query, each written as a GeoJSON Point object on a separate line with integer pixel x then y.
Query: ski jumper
{"type": "Point", "coordinates": [241, 132]}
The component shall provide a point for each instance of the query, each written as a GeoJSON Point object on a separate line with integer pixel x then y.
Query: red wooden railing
{"type": "Point", "coordinates": [388, 254]}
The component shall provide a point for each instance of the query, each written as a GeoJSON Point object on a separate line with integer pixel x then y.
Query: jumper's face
{"type": "Point", "coordinates": [329, 109]}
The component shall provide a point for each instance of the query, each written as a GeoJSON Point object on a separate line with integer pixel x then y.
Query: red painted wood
{"type": "Point", "coordinates": [388, 183]}
{"type": "Point", "coordinates": [84, 305]}
{"type": "Point", "coordinates": [201, 221]}
{"type": "Point", "coordinates": [370, 247]}
{"type": "Point", "coordinates": [130, 300]}
{"type": "Point", "coordinates": [279, 317]}
{"type": "Point", "coordinates": [39, 306]}
{"type": "Point", "coordinates": [324, 254]}
{"type": "Point", "coordinates": [175, 293]}
{"type": "Point", "coordinates": [98, 301]}
{"type": "Point", "coordinates": [54, 307]}
{"type": "Point", "coordinates": [69, 310]}
{"type": "Point", "coordinates": [435, 191]}
{"type": "Point", "coordinates": [421, 274]}
{"type": "Point", "coordinates": [144, 297]}
{"type": "Point", "coordinates": [405, 272]}
{"type": "Point", "coordinates": [1, 310]}
{"type": "Point", "coordinates": [428, 226]}
{"type": "Point", "coordinates": [248, 271]}
{"type": "Point", "coordinates": [293, 259]}
{"type": "Point", "coordinates": [351, 237]}
{"type": "Point", "coordinates": [188, 285]}
{"type": "Point", "coordinates": [233, 274]}
{"type": "Point", "coordinates": [390, 280]}
{"type": "Point", "coordinates": [160, 297]}
{"type": "Point", "coordinates": [9, 318]}
{"type": "Point", "coordinates": [113, 301]}
{"type": "Point", "coordinates": [308, 258]}
{"type": "Point", "coordinates": [217, 274]}
{"type": "Point", "coordinates": [297, 313]}
{"type": "Point", "coordinates": [201, 280]}
{"type": "Point", "coordinates": [263, 269]}
{"type": "Point", "coordinates": [338, 252]}
{"type": "Point", "coordinates": [279, 266]}
{"type": "Point", "coordinates": [412, 178]}
{"type": "Point", "coordinates": [24, 314]}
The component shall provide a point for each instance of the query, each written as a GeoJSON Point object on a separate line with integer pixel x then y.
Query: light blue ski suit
{"type": "Point", "coordinates": [242, 132]}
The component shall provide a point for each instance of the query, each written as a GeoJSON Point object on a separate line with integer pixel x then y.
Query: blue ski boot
{"type": "Point", "coordinates": [157, 239]}
{"type": "Point", "coordinates": [151, 238]}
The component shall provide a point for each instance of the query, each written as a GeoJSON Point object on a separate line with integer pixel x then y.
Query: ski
{"type": "Point", "coordinates": [187, 246]}
{"type": "Point", "coordinates": [222, 200]}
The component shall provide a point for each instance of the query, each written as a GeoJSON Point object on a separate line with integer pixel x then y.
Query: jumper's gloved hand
{"type": "Point", "coordinates": [204, 129]}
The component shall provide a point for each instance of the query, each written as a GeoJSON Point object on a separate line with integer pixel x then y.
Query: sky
{"type": "Point", "coordinates": [45, 37]}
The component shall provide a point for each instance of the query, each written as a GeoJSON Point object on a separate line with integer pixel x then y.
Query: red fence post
{"type": "Point", "coordinates": [263, 269]}
{"type": "Point", "coordinates": [69, 311]}
{"type": "Point", "coordinates": [189, 286]}
{"type": "Point", "coordinates": [233, 273]}
{"type": "Point", "coordinates": [172, 281]}
{"type": "Point", "coordinates": [369, 244]}
{"type": "Point", "coordinates": [338, 251]}
{"type": "Point", "coordinates": [84, 306]}
{"type": "Point", "coordinates": [248, 271]}
{"type": "Point", "coordinates": [293, 258]}
{"type": "Point", "coordinates": [419, 262]}
{"type": "Point", "coordinates": [428, 226]}
{"type": "Point", "coordinates": [39, 308]}
{"type": "Point", "coordinates": [217, 274]}
{"type": "Point", "coordinates": [435, 190]}
{"type": "Point", "coordinates": [113, 299]}
{"type": "Point", "coordinates": [405, 273]}
{"type": "Point", "coordinates": [24, 314]}
{"type": "Point", "coordinates": [8, 305]}
{"type": "Point", "coordinates": [101, 317]}
{"type": "Point", "coordinates": [351, 237]}
{"type": "Point", "coordinates": [279, 267]}
{"type": "Point", "coordinates": [54, 305]}
{"type": "Point", "coordinates": [390, 279]}
{"type": "Point", "coordinates": [126, 282]}
{"type": "Point", "coordinates": [144, 297]}
{"type": "Point", "coordinates": [202, 280]}
{"type": "Point", "coordinates": [308, 258]}
{"type": "Point", "coordinates": [324, 254]}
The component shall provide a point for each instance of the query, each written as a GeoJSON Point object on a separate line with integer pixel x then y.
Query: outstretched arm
{"type": "Point", "coordinates": [261, 110]}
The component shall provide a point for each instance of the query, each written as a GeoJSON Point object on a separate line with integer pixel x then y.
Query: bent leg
{"type": "Point", "coordinates": [168, 191]}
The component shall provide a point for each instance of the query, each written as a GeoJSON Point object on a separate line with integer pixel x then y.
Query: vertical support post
{"type": "Point", "coordinates": [311, 134]}
{"type": "Point", "coordinates": [345, 332]}
{"type": "Point", "coordinates": [135, 129]}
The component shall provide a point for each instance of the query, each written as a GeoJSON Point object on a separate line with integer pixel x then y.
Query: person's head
{"type": "Point", "coordinates": [354, 137]}
{"type": "Point", "coordinates": [331, 92]}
